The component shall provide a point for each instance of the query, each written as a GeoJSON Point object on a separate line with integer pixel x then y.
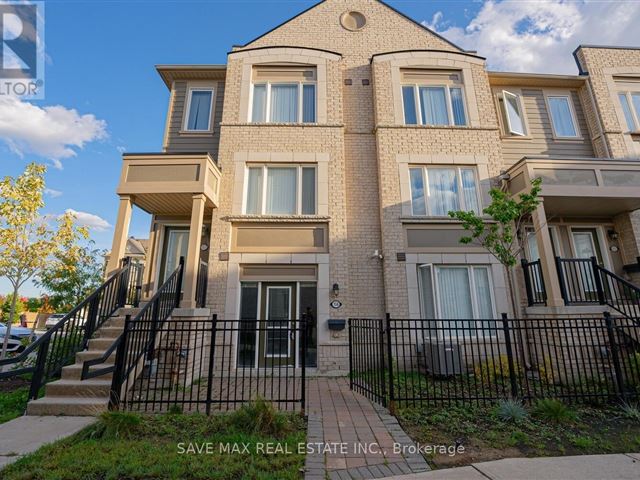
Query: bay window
{"type": "Point", "coordinates": [199, 106]}
{"type": "Point", "coordinates": [280, 190]}
{"type": "Point", "coordinates": [562, 116]}
{"type": "Point", "coordinates": [435, 191]}
{"type": "Point", "coordinates": [458, 292]}
{"type": "Point", "coordinates": [283, 95]}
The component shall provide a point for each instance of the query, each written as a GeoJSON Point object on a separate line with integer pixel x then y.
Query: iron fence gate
{"type": "Point", "coordinates": [411, 362]}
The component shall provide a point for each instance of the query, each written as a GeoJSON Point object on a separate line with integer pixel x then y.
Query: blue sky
{"type": "Point", "coordinates": [101, 57]}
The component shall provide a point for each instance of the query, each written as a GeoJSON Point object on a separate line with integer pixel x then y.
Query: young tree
{"type": "Point", "coordinates": [72, 276]}
{"type": "Point", "coordinates": [6, 309]}
{"type": "Point", "coordinates": [500, 233]}
{"type": "Point", "coordinates": [27, 241]}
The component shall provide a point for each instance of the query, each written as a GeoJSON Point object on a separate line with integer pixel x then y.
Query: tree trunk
{"type": "Point", "coordinates": [12, 312]}
{"type": "Point", "coordinates": [523, 343]}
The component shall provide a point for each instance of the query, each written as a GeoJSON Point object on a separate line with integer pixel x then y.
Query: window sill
{"type": "Point", "coordinates": [438, 127]}
{"type": "Point", "coordinates": [195, 133]}
{"type": "Point", "coordinates": [510, 138]}
{"type": "Point", "coordinates": [278, 218]}
{"type": "Point", "coordinates": [439, 220]}
{"type": "Point", "coordinates": [303, 125]}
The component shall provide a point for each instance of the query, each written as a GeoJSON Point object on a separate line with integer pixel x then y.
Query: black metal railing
{"type": "Point", "coordinates": [134, 283]}
{"type": "Point", "coordinates": [585, 281]}
{"type": "Point", "coordinates": [44, 358]}
{"type": "Point", "coordinates": [208, 365]}
{"type": "Point", "coordinates": [201, 284]}
{"type": "Point", "coordinates": [579, 283]}
{"type": "Point", "coordinates": [534, 282]}
{"type": "Point", "coordinates": [131, 346]}
{"type": "Point", "coordinates": [478, 361]}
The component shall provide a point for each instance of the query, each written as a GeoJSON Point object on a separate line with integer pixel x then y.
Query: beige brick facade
{"type": "Point", "coordinates": [363, 151]}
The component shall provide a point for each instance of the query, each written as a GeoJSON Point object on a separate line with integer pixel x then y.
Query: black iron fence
{"type": "Point", "coordinates": [579, 281]}
{"type": "Point", "coordinates": [134, 281]}
{"type": "Point", "coordinates": [205, 365]}
{"type": "Point", "coordinates": [44, 358]}
{"type": "Point", "coordinates": [201, 284]}
{"type": "Point", "coordinates": [438, 362]}
{"type": "Point", "coordinates": [534, 283]}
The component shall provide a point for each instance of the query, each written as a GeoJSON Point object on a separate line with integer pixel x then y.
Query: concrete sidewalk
{"type": "Point", "coordinates": [583, 467]}
{"type": "Point", "coordinates": [26, 434]}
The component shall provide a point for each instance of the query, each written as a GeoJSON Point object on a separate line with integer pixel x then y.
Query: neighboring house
{"type": "Point", "coordinates": [136, 249]}
{"type": "Point", "coordinates": [320, 162]}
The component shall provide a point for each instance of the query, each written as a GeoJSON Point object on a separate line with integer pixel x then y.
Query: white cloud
{"type": "Point", "coordinates": [52, 193]}
{"type": "Point", "coordinates": [540, 36]}
{"type": "Point", "coordinates": [52, 132]}
{"type": "Point", "coordinates": [89, 220]}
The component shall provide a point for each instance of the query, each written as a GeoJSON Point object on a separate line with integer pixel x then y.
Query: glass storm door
{"type": "Point", "coordinates": [277, 338]}
{"type": "Point", "coordinates": [586, 245]}
{"type": "Point", "coordinates": [176, 243]}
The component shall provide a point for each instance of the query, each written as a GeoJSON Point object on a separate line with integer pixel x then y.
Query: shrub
{"type": "Point", "coordinates": [494, 370]}
{"type": "Point", "coordinates": [262, 418]}
{"type": "Point", "coordinates": [553, 410]}
{"type": "Point", "coordinates": [510, 411]}
{"type": "Point", "coordinates": [631, 411]}
{"type": "Point", "coordinates": [583, 442]}
{"type": "Point", "coordinates": [117, 425]}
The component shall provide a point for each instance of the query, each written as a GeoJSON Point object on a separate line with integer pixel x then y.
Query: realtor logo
{"type": "Point", "coordinates": [22, 49]}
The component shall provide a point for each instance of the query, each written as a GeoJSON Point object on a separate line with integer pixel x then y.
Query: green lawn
{"type": "Point", "coordinates": [13, 397]}
{"type": "Point", "coordinates": [123, 445]}
{"type": "Point", "coordinates": [559, 430]}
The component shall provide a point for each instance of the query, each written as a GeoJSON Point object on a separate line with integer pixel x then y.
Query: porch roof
{"type": "Point", "coordinates": [580, 186]}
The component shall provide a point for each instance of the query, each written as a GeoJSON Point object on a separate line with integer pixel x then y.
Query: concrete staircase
{"type": "Point", "coordinates": [72, 396]}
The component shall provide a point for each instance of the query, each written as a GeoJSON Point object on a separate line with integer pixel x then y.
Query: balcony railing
{"type": "Point", "coordinates": [534, 283]}
{"type": "Point", "coordinates": [201, 285]}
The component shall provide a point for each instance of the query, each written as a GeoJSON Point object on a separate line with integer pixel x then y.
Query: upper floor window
{"type": "Point", "coordinates": [563, 117]}
{"type": "Point", "coordinates": [512, 114]}
{"type": "Point", "coordinates": [432, 98]}
{"type": "Point", "coordinates": [281, 190]}
{"type": "Point", "coordinates": [630, 102]}
{"type": "Point", "coordinates": [283, 95]}
{"type": "Point", "coordinates": [199, 107]}
{"type": "Point", "coordinates": [435, 191]}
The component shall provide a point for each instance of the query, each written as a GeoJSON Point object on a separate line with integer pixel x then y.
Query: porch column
{"type": "Point", "coordinates": [193, 253]}
{"type": "Point", "coordinates": [120, 234]}
{"type": "Point", "coordinates": [547, 260]}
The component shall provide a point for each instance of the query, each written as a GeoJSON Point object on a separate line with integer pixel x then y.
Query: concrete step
{"type": "Point", "coordinates": [130, 310]}
{"type": "Point", "coordinates": [73, 406]}
{"type": "Point", "coordinates": [108, 332]}
{"type": "Point", "coordinates": [85, 355]}
{"type": "Point", "coordinates": [73, 372]}
{"type": "Point", "coordinates": [114, 322]}
{"type": "Point", "coordinates": [92, 388]}
{"type": "Point", "coordinates": [101, 344]}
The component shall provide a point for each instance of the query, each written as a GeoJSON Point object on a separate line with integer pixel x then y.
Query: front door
{"type": "Point", "coordinates": [587, 245]}
{"type": "Point", "coordinates": [176, 244]}
{"type": "Point", "coordinates": [278, 336]}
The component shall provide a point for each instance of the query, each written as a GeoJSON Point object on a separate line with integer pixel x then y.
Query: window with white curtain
{"type": "Point", "coordinates": [280, 190]}
{"type": "Point", "coordinates": [630, 103]}
{"type": "Point", "coordinates": [199, 106]}
{"type": "Point", "coordinates": [512, 114]}
{"type": "Point", "coordinates": [458, 292]}
{"type": "Point", "coordinates": [433, 105]}
{"type": "Point", "coordinates": [289, 102]}
{"type": "Point", "coordinates": [435, 191]}
{"type": "Point", "coordinates": [562, 116]}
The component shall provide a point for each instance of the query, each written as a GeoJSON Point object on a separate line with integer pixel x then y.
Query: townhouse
{"type": "Point", "coordinates": [313, 173]}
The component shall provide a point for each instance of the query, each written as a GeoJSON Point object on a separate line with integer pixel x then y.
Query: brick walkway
{"type": "Point", "coordinates": [357, 437]}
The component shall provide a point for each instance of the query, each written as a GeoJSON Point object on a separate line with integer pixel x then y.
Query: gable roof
{"type": "Point", "coordinates": [397, 12]}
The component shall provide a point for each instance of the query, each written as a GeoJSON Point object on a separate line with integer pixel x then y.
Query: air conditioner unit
{"type": "Point", "coordinates": [442, 358]}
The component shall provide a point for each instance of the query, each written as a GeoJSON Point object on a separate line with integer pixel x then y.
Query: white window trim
{"type": "Point", "coordinates": [635, 115]}
{"type": "Point", "coordinates": [435, 294]}
{"type": "Point", "coordinates": [447, 88]}
{"type": "Point", "coordinates": [265, 167]}
{"type": "Point", "coordinates": [300, 86]}
{"type": "Point", "coordinates": [267, 328]}
{"type": "Point", "coordinates": [555, 238]}
{"type": "Point", "coordinates": [185, 126]}
{"type": "Point", "coordinates": [574, 118]}
{"type": "Point", "coordinates": [461, 197]}
{"type": "Point", "coordinates": [519, 103]}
